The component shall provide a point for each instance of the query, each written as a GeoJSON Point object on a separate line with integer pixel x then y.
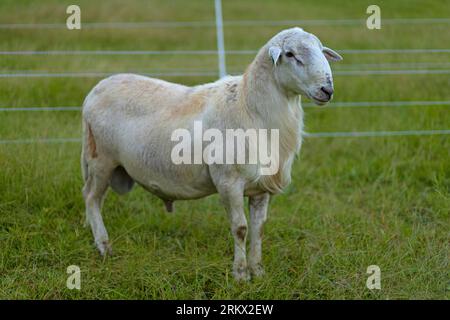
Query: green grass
{"type": "Point", "coordinates": [353, 202]}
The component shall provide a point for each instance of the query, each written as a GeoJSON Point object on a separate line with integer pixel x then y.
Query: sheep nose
{"type": "Point", "coordinates": [328, 91]}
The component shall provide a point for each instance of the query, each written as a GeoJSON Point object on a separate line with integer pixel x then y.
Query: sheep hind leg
{"type": "Point", "coordinates": [94, 192]}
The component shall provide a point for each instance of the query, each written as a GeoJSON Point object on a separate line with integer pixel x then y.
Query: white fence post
{"type": "Point", "coordinates": [220, 42]}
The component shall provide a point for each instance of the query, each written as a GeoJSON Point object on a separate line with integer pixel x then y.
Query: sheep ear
{"type": "Point", "coordinates": [331, 55]}
{"type": "Point", "coordinates": [274, 53]}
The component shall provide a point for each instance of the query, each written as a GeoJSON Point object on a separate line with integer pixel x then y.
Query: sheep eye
{"type": "Point", "coordinates": [299, 61]}
{"type": "Point", "coordinates": [289, 54]}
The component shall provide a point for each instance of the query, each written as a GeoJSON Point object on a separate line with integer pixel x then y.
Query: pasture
{"type": "Point", "coordinates": [353, 201]}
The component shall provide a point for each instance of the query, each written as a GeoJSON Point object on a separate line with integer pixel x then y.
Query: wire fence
{"type": "Point", "coordinates": [343, 104]}
{"type": "Point", "coordinates": [229, 23]}
{"type": "Point", "coordinates": [349, 134]}
{"type": "Point", "coordinates": [206, 52]}
{"type": "Point", "coordinates": [211, 73]}
{"type": "Point", "coordinates": [407, 69]}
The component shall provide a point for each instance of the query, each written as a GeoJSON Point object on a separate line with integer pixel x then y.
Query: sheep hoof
{"type": "Point", "coordinates": [241, 274]}
{"type": "Point", "coordinates": [104, 247]}
{"type": "Point", "coordinates": [86, 223]}
{"type": "Point", "coordinates": [257, 270]}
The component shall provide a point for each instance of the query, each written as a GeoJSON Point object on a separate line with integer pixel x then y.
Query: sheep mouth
{"type": "Point", "coordinates": [320, 101]}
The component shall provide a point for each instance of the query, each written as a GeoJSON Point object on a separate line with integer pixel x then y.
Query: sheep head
{"type": "Point", "coordinates": [301, 64]}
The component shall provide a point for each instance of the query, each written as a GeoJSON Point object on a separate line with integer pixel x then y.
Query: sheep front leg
{"type": "Point", "coordinates": [258, 215]}
{"type": "Point", "coordinates": [233, 199]}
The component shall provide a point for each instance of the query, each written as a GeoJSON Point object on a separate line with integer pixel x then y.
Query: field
{"type": "Point", "coordinates": [353, 202]}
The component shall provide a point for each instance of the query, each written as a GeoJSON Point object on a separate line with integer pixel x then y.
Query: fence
{"type": "Point", "coordinates": [221, 53]}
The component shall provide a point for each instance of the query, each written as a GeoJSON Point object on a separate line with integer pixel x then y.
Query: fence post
{"type": "Point", "coordinates": [220, 42]}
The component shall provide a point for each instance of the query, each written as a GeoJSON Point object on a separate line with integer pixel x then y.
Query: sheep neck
{"type": "Point", "coordinates": [264, 98]}
{"type": "Point", "coordinates": [273, 108]}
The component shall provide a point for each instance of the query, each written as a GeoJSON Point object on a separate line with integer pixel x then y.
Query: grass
{"type": "Point", "coordinates": [353, 202]}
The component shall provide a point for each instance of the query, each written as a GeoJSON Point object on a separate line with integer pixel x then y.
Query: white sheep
{"type": "Point", "coordinates": [128, 122]}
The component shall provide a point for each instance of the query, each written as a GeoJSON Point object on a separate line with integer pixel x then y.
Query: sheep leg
{"type": "Point", "coordinates": [232, 196]}
{"type": "Point", "coordinates": [94, 192]}
{"type": "Point", "coordinates": [258, 215]}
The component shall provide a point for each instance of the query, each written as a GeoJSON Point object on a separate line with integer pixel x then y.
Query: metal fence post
{"type": "Point", "coordinates": [220, 41]}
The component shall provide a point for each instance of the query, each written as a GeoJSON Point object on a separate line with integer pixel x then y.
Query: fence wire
{"type": "Point", "coordinates": [337, 104]}
{"type": "Point", "coordinates": [345, 134]}
{"type": "Point", "coordinates": [229, 23]}
{"type": "Point", "coordinates": [206, 52]}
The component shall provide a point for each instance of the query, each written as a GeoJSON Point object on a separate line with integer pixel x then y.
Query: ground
{"type": "Point", "coordinates": [353, 202]}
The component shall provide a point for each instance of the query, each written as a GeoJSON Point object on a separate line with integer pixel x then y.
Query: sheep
{"type": "Point", "coordinates": [128, 121]}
